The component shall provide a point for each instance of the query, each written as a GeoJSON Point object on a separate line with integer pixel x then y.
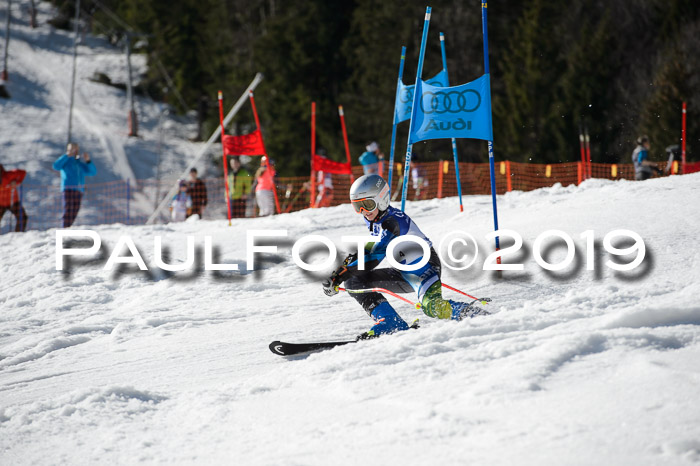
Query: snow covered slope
{"type": "Point", "coordinates": [34, 122]}
{"type": "Point", "coordinates": [576, 367]}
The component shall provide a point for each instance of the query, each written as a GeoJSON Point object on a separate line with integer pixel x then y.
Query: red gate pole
{"type": "Point", "coordinates": [683, 142]}
{"type": "Point", "coordinates": [223, 152]}
{"type": "Point", "coordinates": [267, 157]}
{"type": "Point", "coordinates": [345, 140]}
{"type": "Point", "coordinates": [579, 172]}
{"type": "Point", "coordinates": [581, 140]}
{"type": "Point", "coordinates": [509, 182]}
{"type": "Point", "coordinates": [313, 155]}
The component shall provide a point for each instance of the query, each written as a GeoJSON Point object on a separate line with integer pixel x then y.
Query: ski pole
{"type": "Point", "coordinates": [483, 300]}
{"type": "Point", "coordinates": [381, 290]}
{"type": "Point", "coordinates": [291, 203]}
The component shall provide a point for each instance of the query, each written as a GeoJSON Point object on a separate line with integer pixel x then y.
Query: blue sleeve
{"type": "Point", "coordinates": [60, 162]}
{"type": "Point", "coordinates": [89, 168]}
{"type": "Point", "coordinates": [390, 230]}
{"type": "Point", "coordinates": [378, 251]}
{"type": "Point", "coordinates": [376, 254]}
{"type": "Point", "coordinates": [643, 154]}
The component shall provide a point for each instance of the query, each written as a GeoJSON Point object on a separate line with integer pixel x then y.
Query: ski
{"type": "Point", "coordinates": [282, 348]}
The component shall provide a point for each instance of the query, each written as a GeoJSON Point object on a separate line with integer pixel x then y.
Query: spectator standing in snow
{"type": "Point", "coordinates": [374, 148]}
{"type": "Point", "coordinates": [420, 179]}
{"type": "Point", "coordinates": [239, 186]}
{"type": "Point", "coordinates": [325, 189]}
{"type": "Point", "coordinates": [181, 204]}
{"type": "Point", "coordinates": [197, 190]}
{"type": "Point", "coordinates": [265, 181]}
{"type": "Point", "coordinates": [643, 167]}
{"type": "Point", "coordinates": [369, 162]}
{"type": "Point", "coordinates": [73, 172]}
{"type": "Point", "coordinates": [9, 197]}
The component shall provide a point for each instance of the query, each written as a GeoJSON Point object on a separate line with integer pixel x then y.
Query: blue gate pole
{"type": "Point", "coordinates": [394, 122]}
{"type": "Point", "coordinates": [419, 75]}
{"type": "Point", "coordinates": [454, 141]}
{"type": "Point", "coordinates": [492, 168]}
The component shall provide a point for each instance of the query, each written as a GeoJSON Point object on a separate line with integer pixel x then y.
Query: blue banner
{"type": "Point", "coordinates": [439, 80]}
{"type": "Point", "coordinates": [405, 96]}
{"type": "Point", "coordinates": [453, 112]}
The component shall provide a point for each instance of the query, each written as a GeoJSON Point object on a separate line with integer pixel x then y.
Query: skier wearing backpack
{"type": "Point", "coordinates": [369, 196]}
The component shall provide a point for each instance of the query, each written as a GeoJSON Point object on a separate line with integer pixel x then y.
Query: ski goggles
{"type": "Point", "coordinates": [364, 205]}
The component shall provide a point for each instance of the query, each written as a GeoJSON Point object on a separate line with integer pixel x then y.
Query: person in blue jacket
{"type": "Point", "coordinates": [369, 162]}
{"type": "Point", "coordinates": [73, 172]}
{"type": "Point", "coordinates": [369, 196]}
{"type": "Point", "coordinates": [643, 167]}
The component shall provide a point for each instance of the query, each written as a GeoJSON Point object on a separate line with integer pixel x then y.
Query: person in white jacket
{"type": "Point", "coordinates": [181, 205]}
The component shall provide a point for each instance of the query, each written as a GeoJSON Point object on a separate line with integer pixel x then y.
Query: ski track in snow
{"type": "Point", "coordinates": [574, 367]}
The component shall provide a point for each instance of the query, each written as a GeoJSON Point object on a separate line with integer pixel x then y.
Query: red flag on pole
{"type": "Point", "coordinates": [262, 149]}
{"type": "Point", "coordinates": [322, 164]}
{"type": "Point", "coordinates": [223, 159]}
{"type": "Point", "coordinates": [246, 144]}
{"type": "Point", "coordinates": [313, 154]}
{"type": "Point", "coordinates": [345, 141]}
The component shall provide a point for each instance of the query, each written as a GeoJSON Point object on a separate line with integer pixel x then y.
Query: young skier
{"type": "Point", "coordinates": [369, 196]}
{"type": "Point", "coordinates": [181, 204]}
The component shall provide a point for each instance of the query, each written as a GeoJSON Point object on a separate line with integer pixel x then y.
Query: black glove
{"type": "Point", "coordinates": [331, 284]}
{"type": "Point", "coordinates": [351, 258]}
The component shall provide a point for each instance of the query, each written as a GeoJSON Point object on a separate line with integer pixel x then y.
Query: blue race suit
{"type": "Point", "coordinates": [389, 225]}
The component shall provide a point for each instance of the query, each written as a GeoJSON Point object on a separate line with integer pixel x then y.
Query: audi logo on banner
{"type": "Point", "coordinates": [407, 94]}
{"type": "Point", "coordinates": [442, 102]}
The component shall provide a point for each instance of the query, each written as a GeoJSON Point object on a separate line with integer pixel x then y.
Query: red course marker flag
{"type": "Point", "coordinates": [246, 144]}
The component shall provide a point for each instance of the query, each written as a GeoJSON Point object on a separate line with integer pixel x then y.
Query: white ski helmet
{"type": "Point", "coordinates": [369, 192]}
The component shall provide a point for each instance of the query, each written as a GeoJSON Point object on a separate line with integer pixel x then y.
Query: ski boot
{"type": "Point", "coordinates": [462, 310]}
{"type": "Point", "coordinates": [387, 321]}
{"type": "Point", "coordinates": [434, 305]}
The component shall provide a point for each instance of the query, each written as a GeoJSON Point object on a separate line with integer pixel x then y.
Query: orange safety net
{"type": "Point", "coordinates": [131, 203]}
{"type": "Point", "coordinates": [691, 168]}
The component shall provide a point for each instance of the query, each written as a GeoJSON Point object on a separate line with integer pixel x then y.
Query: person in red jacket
{"type": "Point", "coordinates": [9, 197]}
{"type": "Point", "coordinates": [265, 187]}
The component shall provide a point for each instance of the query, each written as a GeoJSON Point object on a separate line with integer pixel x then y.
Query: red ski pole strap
{"type": "Point", "coordinates": [483, 300]}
